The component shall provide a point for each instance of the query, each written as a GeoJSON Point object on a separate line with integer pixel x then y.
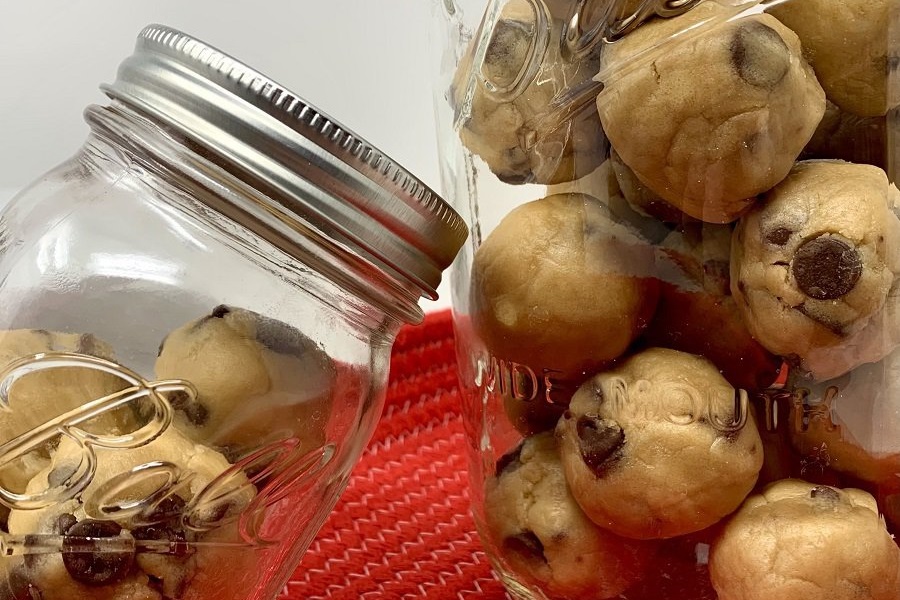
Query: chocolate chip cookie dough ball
{"type": "Point", "coordinates": [155, 493]}
{"type": "Point", "coordinates": [656, 448]}
{"type": "Point", "coordinates": [561, 287]}
{"type": "Point", "coordinates": [520, 134]}
{"type": "Point", "coordinates": [814, 265]}
{"type": "Point", "coordinates": [847, 44]}
{"type": "Point", "coordinates": [709, 121]}
{"type": "Point", "coordinates": [543, 535]}
{"type": "Point", "coordinates": [258, 380]}
{"type": "Point", "coordinates": [696, 312]}
{"type": "Point", "coordinates": [41, 396]}
{"type": "Point", "coordinates": [799, 541]}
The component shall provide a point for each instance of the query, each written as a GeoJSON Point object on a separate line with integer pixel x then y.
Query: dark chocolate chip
{"type": "Point", "coordinates": [94, 567]}
{"type": "Point", "coordinates": [826, 267]}
{"type": "Point", "coordinates": [281, 338]}
{"type": "Point", "coordinates": [64, 522]}
{"type": "Point", "coordinates": [779, 236]}
{"type": "Point", "coordinates": [526, 545]}
{"type": "Point", "coordinates": [823, 492]}
{"type": "Point", "coordinates": [220, 311]}
{"type": "Point", "coordinates": [600, 441]}
{"type": "Point", "coordinates": [169, 508]}
{"type": "Point", "coordinates": [16, 586]}
{"type": "Point", "coordinates": [194, 410]}
{"type": "Point", "coordinates": [60, 474]}
{"type": "Point", "coordinates": [87, 344]}
{"type": "Point", "coordinates": [509, 462]}
{"type": "Point", "coordinates": [759, 55]}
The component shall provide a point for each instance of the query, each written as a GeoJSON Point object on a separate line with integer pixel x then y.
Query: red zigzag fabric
{"type": "Point", "coordinates": [402, 529]}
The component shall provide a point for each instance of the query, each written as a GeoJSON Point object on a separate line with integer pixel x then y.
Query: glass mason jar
{"type": "Point", "coordinates": [677, 314]}
{"type": "Point", "coordinates": [196, 318]}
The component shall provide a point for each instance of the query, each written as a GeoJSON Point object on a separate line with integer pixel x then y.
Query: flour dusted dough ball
{"type": "Point", "coordinates": [711, 120]}
{"type": "Point", "coordinates": [800, 541]}
{"type": "Point", "coordinates": [653, 448]}
{"type": "Point", "coordinates": [520, 136]}
{"type": "Point", "coordinates": [847, 44]}
{"type": "Point", "coordinates": [258, 380]}
{"type": "Point", "coordinates": [544, 536]}
{"type": "Point", "coordinates": [814, 267]}
{"type": "Point", "coordinates": [561, 287]}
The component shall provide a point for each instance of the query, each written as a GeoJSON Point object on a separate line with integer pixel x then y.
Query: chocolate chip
{"type": "Point", "coordinates": [194, 410]}
{"type": "Point", "coordinates": [220, 311]}
{"type": "Point", "coordinates": [526, 545]}
{"type": "Point", "coordinates": [60, 474]}
{"type": "Point", "coordinates": [94, 567]}
{"type": "Point", "coordinates": [823, 492]}
{"type": "Point", "coordinates": [759, 55]}
{"type": "Point", "coordinates": [509, 462]}
{"type": "Point", "coordinates": [281, 338]}
{"type": "Point", "coordinates": [64, 522]}
{"type": "Point", "coordinates": [600, 442]}
{"type": "Point", "coordinates": [87, 344]}
{"type": "Point", "coordinates": [779, 236]}
{"type": "Point", "coordinates": [826, 267]}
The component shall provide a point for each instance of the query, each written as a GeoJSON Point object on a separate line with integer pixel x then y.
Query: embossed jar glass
{"type": "Point", "coordinates": [677, 313]}
{"type": "Point", "coordinates": [197, 315]}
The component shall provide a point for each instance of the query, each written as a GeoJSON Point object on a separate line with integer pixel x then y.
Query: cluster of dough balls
{"type": "Point", "coordinates": [257, 381]}
{"type": "Point", "coordinates": [732, 227]}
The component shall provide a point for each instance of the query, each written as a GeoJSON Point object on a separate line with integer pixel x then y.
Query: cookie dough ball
{"type": "Point", "coordinates": [656, 448]}
{"type": "Point", "coordinates": [535, 135]}
{"type": "Point", "coordinates": [258, 380]}
{"type": "Point", "coordinates": [697, 314]}
{"type": "Point", "coordinates": [561, 287]}
{"type": "Point", "coordinates": [799, 541]}
{"type": "Point", "coordinates": [545, 538]}
{"type": "Point", "coordinates": [847, 44]}
{"type": "Point", "coordinates": [845, 136]}
{"type": "Point", "coordinates": [814, 266]}
{"type": "Point", "coordinates": [41, 396]}
{"type": "Point", "coordinates": [156, 492]}
{"type": "Point", "coordinates": [710, 121]}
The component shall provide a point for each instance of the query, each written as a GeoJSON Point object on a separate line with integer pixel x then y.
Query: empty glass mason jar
{"type": "Point", "coordinates": [678, 314]}
{"type": "Point", "coordinates": [196, 318]}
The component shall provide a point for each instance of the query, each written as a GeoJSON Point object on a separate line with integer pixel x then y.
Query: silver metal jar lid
{"type": "Point", "coordinates": [323, 172]}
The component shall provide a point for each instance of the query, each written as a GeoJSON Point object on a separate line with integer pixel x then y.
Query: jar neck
{"type": "Point", "coordinates": [373, 295]}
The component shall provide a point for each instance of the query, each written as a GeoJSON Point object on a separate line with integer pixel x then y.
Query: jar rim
{"type": "Point", "coordinates": [323, 172]}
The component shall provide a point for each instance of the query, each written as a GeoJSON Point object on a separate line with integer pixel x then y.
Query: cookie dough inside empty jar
{"type": "Point", "coordinates": [258, 380]}
{"type": "Point", "coordinates": [709, 112]}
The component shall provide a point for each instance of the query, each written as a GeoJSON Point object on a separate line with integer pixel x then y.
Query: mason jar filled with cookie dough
{"type": "Point", "coordinates": [196, 317]}
{"type": "Point", "coordinates": [678, 314]}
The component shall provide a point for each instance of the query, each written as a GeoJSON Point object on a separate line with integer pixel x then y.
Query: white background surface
{"type": "Point", "coordinates": [365, 62]}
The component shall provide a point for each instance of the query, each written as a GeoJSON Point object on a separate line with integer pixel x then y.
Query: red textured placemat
{"type": "Point", "coordinates": [402, 529]}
